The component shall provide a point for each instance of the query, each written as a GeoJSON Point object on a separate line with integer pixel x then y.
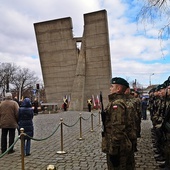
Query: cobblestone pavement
{"type": "Point", "coordinates": [82, 154]}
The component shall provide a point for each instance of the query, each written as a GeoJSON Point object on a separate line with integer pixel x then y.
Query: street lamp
{"type": "Point", "coordinates": [150, 78]}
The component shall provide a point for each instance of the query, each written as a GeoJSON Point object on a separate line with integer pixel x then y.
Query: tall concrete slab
{"type": "Point", "coordinates": [97, 49]}
{"type": "Point", "coordinates": [68, 70]}
{"type": "Point", "coordinates": [58, 57]}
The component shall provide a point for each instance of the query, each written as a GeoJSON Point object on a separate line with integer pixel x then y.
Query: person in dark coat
{"type": "Point", "coordinates": [35, 106]}
{"type": "Point", "coordinates": [25, 120]}
{"type": "Point", "coordinates": [89, 104]}
{"type": "Point", "coordinates": [65, 104]}
{"type": "Point", "coordinates": [144, 108]}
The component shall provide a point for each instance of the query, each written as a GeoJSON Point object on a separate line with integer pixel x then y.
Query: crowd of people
{"type": "Point", "coordinates": [16, 115]}
{"type": "Point", "coordinates": [159, 107]}
{"type": "Point", "coordinates": [122, 123]}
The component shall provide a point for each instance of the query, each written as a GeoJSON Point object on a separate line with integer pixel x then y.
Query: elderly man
{"type": "Point", "coordinates": [115, 141]}
{"type": "Point", "coordinates": [8, 121]}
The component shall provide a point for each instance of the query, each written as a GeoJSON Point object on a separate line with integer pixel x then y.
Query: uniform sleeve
{"type": "Point", "coordinates": [118, 118]}
{"type": "Point", "coordinates": [118, 111]}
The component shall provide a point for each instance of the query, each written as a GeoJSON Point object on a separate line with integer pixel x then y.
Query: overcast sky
{"type": "Point", "coordinates": [136, 51]}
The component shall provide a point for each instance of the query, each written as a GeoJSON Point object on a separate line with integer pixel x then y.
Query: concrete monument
{"type": "Point", "coordinates": [77, 73]}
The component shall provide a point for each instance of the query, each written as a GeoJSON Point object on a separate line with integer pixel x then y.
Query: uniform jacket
{"type": "Point", "coordinates": [8, 114]}
{"type": "Point", "coordinates": [25, 117]}
{"type": "Point", "coordinates": [131, 125]}
{"type": "Point", "coordinates": [116, 138]}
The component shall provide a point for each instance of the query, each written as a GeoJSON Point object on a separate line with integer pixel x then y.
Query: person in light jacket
{"type": "Point", "coordinates": [8, 121]}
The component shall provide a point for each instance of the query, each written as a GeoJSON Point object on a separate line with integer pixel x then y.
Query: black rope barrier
{"type": "Point", "coordinates": [71, 125]}
{"type": "Point", "coordinates": [45, 137]}
{"type": "Point", "coordinates": [22, 134]}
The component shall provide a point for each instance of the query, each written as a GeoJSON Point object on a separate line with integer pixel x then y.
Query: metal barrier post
{"type": "Point", "coordinates": [99, 118]}
{"type": "Point", "coordinates": [80, 128]}
{"type": "Point", "coordinates": [51, 167]}
{"type": "Point", "coordinates": [61, 152]}
{"type": "Point", "coordinates": [92, 122]}
{"type": "Point", "coordinates": [22, 147]}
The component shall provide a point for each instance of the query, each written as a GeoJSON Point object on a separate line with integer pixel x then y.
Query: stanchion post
{"type": "Point", "coordinates": [92, 122]}
{"type": "Point", "coordinates": [51, 167]}
{"type": "Point", "coordinates": [61, 125]}
{"type": "Point", "coordinates": [99, 118]}
{"type": "Point", "coordinates": [22, 147]}
{"type": "Point", "coordinates": [80, 128]}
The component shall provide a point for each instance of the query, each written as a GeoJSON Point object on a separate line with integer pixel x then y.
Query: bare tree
{"type": "Point", "coordinates": [7, 70]}
{"type": "Point", "coordinates": [24, 79]}
{"type": "Point", "coordinates": [156, 10]}
{"type": "Point", "coordinates": [16, 79]}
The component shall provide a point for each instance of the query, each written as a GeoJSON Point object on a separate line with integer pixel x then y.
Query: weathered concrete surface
{"type": "Point", "coordinates": [62, 61]}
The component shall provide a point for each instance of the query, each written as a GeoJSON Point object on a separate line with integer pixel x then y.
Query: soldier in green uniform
{"type": "Point", "coordinates": [157, 122]}
{"type": "Point", "coordinates": [166, 127]}
{"type": "Point", "coordinates": [137, 106]}
{"type": "Point", "coordinates": [151, 102]}
{"type": "Point", "coordinates": [131, 128]}
{"type": "Point", "coordinates": [115, 141]}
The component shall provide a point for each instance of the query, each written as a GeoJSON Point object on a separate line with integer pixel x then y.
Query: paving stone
{"type": "Point", "coordinates": [81, 154]}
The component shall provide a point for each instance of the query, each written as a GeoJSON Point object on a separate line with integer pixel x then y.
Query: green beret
{"type": "Point", "coordinates": [167, 83]}
{"type": "Point", "coordinates": [162, 86]}
{"type": "Point", "coordinates": [119, 80]}
{"type": "Point", "coordinates": [152, 90]}
{"type": "Point", "coordinates": [159, 87]}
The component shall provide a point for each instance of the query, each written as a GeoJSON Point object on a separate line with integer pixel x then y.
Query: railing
{"type": "Point", "coordinates": [49, 107]}
{"type": "Point", "coordinates": [61, 124]}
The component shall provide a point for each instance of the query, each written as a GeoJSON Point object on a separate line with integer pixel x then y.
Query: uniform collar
{"type": "Point", "coordinates": [115, 96]}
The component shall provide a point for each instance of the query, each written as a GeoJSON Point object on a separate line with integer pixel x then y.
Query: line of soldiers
{"type": "Point", "coordinates": [121, 120]}
{"type": "Point", "coordinates": [159, 107]}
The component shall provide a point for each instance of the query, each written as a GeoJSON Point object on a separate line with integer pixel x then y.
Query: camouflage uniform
{"type": "Point", "coordinates": [166, 126]}
{"type": "Point", "coordinates": [158, 119]}
{"type": "Point", "coordinates": [131, 130]}
{"type": "Point", "coordinates": [157, 102]}
{"type": "Point", "coordinates": [116, 143]}
{"type": "Point", "coordinates": [137, 105]}
{"type": "Point", "coordinates": [151, 103]}
{"type": "Point", "coordinates": [167, 133]}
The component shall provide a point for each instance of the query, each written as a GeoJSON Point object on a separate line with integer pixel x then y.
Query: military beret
{"type": "Point", "coordinates": [162, 86]}
{"type": "Point", "coordinates": [167, 83]}
{"type": "Point", "coordinates": [169, 78]}
{"type": "Point", "coordinates": [153, 89]}
{"type": "Point", "coordinates": [119, 80]}
{"type": "Point", "coordinates": [159, 87]}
